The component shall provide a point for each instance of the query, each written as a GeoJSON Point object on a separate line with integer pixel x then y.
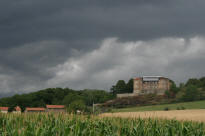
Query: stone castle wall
{"type": "Point", "coordinates": [141, 87]}
{"type": "Point", "coordinates": [126, 95]}
{"type": "Point", "coordinates": [146, 87]}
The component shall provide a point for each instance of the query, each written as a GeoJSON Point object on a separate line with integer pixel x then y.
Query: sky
{"type": "Point", "coordinates": [87, 44]}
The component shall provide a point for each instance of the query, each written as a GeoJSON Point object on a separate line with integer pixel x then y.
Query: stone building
{"type": "Point", "coordinates": [151, 84]}
{"type": "Point", "coordinates": [148, 85]}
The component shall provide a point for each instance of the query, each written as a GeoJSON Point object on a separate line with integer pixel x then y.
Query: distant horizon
{"type": "Point", "coordinates": [12, 94]}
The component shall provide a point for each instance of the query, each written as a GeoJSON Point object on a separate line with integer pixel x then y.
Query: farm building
{"type": "Point", "coordinates": [4, 109]}
{"type": "Point", "coordinates": [55, 108]}
{"type": "Point", "coordinates": [35, 109]}
{"type": "Point", "coordinates": [148, 85]}
{"type": "Point", "coordinates": [17, 109]}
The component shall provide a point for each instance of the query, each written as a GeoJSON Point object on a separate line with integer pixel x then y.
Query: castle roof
{"type": "Point", "coordinates": [151, 78]}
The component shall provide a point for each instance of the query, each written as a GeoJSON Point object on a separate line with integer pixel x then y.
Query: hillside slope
{"type": "Point", "coordinates": [186, 105]}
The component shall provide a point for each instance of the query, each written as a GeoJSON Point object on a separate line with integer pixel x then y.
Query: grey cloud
{"type": "Point", "coordinates": [37, 36]}
{"type": "Point", "coordinates": [114, 60]}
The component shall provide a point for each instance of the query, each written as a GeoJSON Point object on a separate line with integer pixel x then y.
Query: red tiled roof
{"type": "Point", "coordinates": [55, 106]}
{"type": "Point", "coordinates": [35, 109]}
{"type": "Point", "coordinates": [4, 108]}
{"type": "Point", "coordinates": [17, 108]}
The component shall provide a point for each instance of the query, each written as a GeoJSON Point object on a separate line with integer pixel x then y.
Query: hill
{"type": "Point", "coordinates": [71, 98]}
{"type": "Point", "coordinates": [175, 106]}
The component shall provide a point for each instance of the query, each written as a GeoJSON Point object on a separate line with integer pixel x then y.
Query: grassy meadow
{"type": "Point", "coordinates": [175, 106]}
{"type": "Point", "coordinates": [75, 125]}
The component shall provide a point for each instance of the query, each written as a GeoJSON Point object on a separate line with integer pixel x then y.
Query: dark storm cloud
{"type": "Point", "coordinates": [36, 35]}
{"type": "Point", "coordinates": [30, 21]}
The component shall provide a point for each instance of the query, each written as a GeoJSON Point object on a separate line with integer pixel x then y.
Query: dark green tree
{"type": "Point", "coordinates": [68, 99]}
{"type": "Point", "coordinates": [129, 86]}
{"type": "Point", "coordinates": [173, 89]}
{"type": "Point", "coordinates": [113, 90]}
{"type": "Point", "coordinates": [120, 87]}
{"type": "Point", "coordinates": [191, 93]}
{"type": "Point", "coordinates": [193, 81]}
{"type": "Point", "coordinates": [77, 105]}
{"type": "Point", "coordinates": [202, 82]}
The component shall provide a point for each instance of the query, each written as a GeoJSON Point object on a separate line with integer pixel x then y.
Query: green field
{"type": "Point", "coordinates": [186, 105]}
{"type": "Point", "coordinates": [71, 125]}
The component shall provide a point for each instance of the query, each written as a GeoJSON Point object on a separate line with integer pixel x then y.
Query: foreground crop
{"type": "Point", "coordinates": [63, 125]}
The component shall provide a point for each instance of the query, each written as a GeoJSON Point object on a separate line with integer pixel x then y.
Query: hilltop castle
{"type": "Point", "coordinates": [151, 84]}
{"type": "Point", "coordinates": [148, 85]}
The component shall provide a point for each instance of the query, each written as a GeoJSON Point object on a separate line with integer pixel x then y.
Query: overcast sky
{"type": "Point", "coordinates": [91, 44]}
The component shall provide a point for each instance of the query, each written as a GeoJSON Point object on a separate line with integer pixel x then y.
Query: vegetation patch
{"type": "Point", "coordinates": [174, 106]}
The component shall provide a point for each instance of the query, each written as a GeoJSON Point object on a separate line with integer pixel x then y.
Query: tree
{"type": "Point", "coordinates": [68, 99]}
{"type": "Point", "coordinates": [129, 86]}
{"type": "Point", "coordinates": [95, 96]}
{"type": "Point", "coordinates": [120, 87]}
{"type": "Point", "coordinates": [77, 105]}
{"type": "Point", "coordinates": [113, 90]}
{"type": "Point", "coordinates": [191, 93]}
{"type": "Point", "coordinates": [193, 81]}
{"type": "Point", "coordinates": [202, 81]}
{"type": "Point", "coordinates": [174, 89]}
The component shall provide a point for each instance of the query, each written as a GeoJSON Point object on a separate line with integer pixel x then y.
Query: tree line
{"type": "Point", "coordinates": [193, 89]}
{"type": "Point", "coordinates": [73, 99]}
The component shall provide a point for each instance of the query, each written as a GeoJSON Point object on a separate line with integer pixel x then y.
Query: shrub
{"type": "Point", "coordinates": [166, 108]}
{"type": "Point", "coordinates": [181, 108]}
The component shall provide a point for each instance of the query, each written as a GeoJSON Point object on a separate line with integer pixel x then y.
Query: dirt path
{"type": "Point", "coordinates": [191, 115]}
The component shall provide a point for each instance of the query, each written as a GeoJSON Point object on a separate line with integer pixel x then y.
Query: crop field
{"type": "Point", "coordinates": [182, 115]}
{"type": "Point", "coordinates": [75, 125]}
